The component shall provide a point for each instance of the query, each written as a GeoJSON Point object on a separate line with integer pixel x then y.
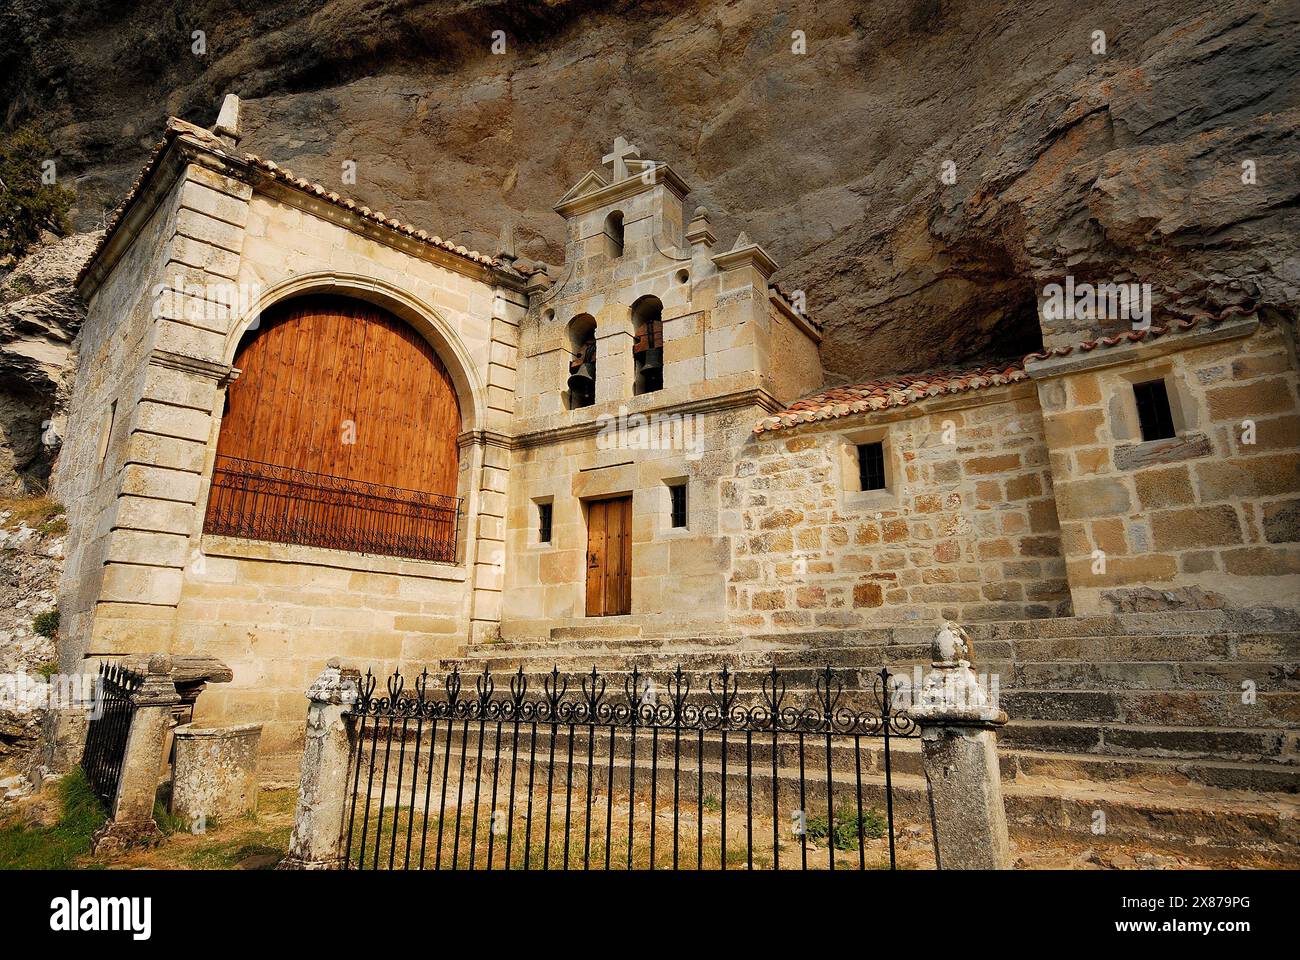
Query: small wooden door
{"type": "Point", "coordinates": [609, 557]}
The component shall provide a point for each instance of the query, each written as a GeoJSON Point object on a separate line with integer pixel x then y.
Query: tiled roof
{"type": "Point", "coordinates": [1153, 332]}
{"type": "Point", "coordinates": [890, 392]}
{"type": "Point", "coordinates": [177, 127]}
{"type": "Point", "coordinates": [901, 390]}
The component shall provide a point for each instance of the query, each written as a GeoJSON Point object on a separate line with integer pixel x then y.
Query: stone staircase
{"type": "Point", "coordinates": [1139, 716]}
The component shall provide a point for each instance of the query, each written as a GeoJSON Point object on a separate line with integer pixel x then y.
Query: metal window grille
{"type": "Point", "coordinates": [677, 499]}
{"type": "Point", "coordinates": [262, 501]}
{"type": "Point", "coordinates": [871, 466]}
{"type": "Point", "coordinates": [543, 523]}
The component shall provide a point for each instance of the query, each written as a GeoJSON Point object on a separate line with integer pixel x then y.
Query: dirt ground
{"type": "Point", "coordinates": [259, 842]}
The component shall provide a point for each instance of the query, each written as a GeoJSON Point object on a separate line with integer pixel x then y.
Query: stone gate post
{"type": "Point", "coordinates": [131, 816]}
{"type": "Point", "coordinates": [959, 752]}
{"type": "Point", "coordinates": [323, 781]}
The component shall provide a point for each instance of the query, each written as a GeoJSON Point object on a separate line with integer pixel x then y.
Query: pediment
{"type": "Point", "coordinates": [590, 183]}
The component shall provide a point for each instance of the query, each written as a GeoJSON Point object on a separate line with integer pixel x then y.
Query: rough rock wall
{"type": "Point", "coordinates": [1114, 166]}
{"type": "Point", "coordinates": [40, 315]}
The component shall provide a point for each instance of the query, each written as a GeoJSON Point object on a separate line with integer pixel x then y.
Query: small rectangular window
{"type": "Point", "coordinates": [1154, 415]}
{"type": "Point", "coordinates": [544, 523]}
{"type": "Point", "coordinates": [871, 466]}
{"type": "Point", "coordinates": [677, 501]}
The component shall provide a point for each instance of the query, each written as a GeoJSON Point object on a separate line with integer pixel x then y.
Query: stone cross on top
{"type": "Point", "coordinates": [622, 150]}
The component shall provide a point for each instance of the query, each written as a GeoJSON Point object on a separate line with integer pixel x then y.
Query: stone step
{"type": "Point", "coordinates": [1149, 648]}
{"type": "Point", "coordinates": [800, 668]}
{"type": "Point", "coordinates": [1187, 816]}
{"type": "Point", "coordinates": [1206, 623]}
{"type": "Point", "coordinates": [1240, 744]}
{"type": "Point", "coordinates": [1190, 708]}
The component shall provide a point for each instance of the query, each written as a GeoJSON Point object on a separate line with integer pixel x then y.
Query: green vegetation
{"type": "Point", "coordinates": [27, 847]}
{"type": "Point", "coordinates": [41, 512]}
{"type": "Point", "coordinates": [846, 826]}
{"type": "Point", "coordinates": [28, 204]}
{"type": "Point", "coordinates": [47, 623]}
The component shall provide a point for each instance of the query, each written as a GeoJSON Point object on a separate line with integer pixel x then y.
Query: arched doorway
{"type": "Point", "coordinates": [340, 432]}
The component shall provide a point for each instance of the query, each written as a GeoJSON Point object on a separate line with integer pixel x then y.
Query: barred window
{"type": "Point", "coordinates": [677, 501]}
{"type": "Point", "coordinates": [871, 466]}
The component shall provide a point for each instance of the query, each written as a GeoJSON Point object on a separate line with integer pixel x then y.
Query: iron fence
{"type": "Point", "coordinates": [665, 776]}
{"type": "Point", "coordinates": [110, 725]}
{"type": "Point", "coordinates": [262, 501]}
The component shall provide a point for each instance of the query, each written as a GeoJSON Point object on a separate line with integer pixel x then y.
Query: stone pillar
{"type": "Point", "coordinates": [959, 752]}
{"type": "Point", "coordinates": [131, 817]}
{"type": "Point", "coordinates": [316, 842]}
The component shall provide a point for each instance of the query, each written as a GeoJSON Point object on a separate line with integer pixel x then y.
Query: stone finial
{"type": "Point", "coordinates": [227, 125]}
{"type": "Point", "coordinates": [742, 241]}
{"type": "Point", "coordinates": [699, 231]}
{"type": "Point", "coordinates": [160, 665]}
{"type": "Point", "coordinates": [332, 687]}
{"type": "Point", "coordinates": [951, 645]}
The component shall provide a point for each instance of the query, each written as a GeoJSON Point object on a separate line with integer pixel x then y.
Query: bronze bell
{"type": "Point", "coordinates": [653, 360]}
{"type": "Point", "coordinates": [582, 382]}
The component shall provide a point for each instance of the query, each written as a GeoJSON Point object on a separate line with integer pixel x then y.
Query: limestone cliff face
{"type": "Point", "coordinates": [40, 315]}
{"type": "Point", "coordinates": [1123, 165]}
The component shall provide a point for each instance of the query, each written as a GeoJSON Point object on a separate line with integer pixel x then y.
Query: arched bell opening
{"type": "Point", "coordinates": [648, 347]}
{"type": "Point", "coordinates": [582, 361]}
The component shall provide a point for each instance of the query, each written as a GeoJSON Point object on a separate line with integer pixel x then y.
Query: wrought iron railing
{"type": "Point", "coordinates": [110, 725]}
{"type": "Point", "coordinates": [262, 501]}
{"type": "Point", "coordinates": [666, 777]}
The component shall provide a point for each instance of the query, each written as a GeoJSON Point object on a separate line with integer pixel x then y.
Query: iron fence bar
{"type": "Point", "coordinates": [857, 770]}
{"type": "Point", "coordinates": [712, 716]}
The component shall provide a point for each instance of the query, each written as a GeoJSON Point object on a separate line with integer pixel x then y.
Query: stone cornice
{"type": "Point", "coordinates": [223, 373]}
{"type": "Point", "coordinates": [661, 173]}
{"type": "Point", "coordinates": [755, 397]}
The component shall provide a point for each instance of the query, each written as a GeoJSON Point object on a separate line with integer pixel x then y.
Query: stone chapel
{"type": "Point", "coordinates": [302, 429]}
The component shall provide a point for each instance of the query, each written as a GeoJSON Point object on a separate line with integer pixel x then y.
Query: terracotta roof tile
{"type": "Point", "coordinates": [901, 390]}
{"type": "Point", "coordinates": [888, 392]}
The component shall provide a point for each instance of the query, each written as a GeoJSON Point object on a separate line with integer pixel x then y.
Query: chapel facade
{"type": "Point", "coordinates": [388, 448]}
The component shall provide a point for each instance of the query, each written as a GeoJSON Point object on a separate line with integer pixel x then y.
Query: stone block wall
{"type": "Point", "coordinates": [966, 528]}
{"type": "Point", "coordinates": [275, 613]}
{"type": "Point", "coordinates": [1206, 518]}
{"type": "Point", "coordinates": [678, 574]}
{"type": "Point", "coordinates": [129, 470]}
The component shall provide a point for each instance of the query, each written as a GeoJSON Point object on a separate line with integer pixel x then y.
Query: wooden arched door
{"type": "Point", "coordinates": [340, 432]}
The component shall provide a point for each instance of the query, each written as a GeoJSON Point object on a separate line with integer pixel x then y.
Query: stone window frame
{"type": "Point", "coordinates": [851, 493]}
{"type": "Point", "coordinates": [1126, 428]}
{"type": "Point", "coordinates": [534, 523]}
{"type": "Point", "coordinates": [614, 229]}
{"type": "Point", "coordinates": [664, 513]}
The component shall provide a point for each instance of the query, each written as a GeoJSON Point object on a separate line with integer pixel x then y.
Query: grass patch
{"type": "Point", "coordinates": [41, 512]}
{"type": "Point", "coordinates": [24, 846]}
{"type": "Point", "coordinates": [846, 826]}
{"type": "Point", "coordinates": [46, 624]}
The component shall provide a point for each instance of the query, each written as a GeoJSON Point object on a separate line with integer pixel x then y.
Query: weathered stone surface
{"type": "Point", "coordinates": [1068, 158]}
{"type": "Point", "coordinates": [40, 314]}
{"type": "Point", "coordinates": [214, 772]}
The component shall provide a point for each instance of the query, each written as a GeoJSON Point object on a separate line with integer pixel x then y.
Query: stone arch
{"type": "Point", "coordinates": [440, 335]}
